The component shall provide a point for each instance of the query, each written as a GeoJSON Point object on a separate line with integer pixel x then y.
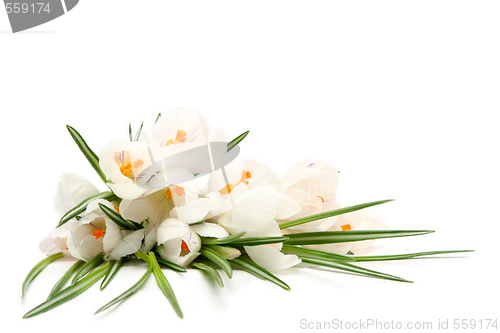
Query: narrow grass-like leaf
{"type": "Point", "coordinates": [249, 266]}
{"type": "Point", "coordinates": [314, 254]}
{"type": "Point", "coordinates": [352, 268]}
{"type": "Point", "coordinates": [328, 237]}
{"type": "Point", "coordinates": [130, 131]}
{"type": "Point", "coordinates": [80, 208]}
{"type": "Point", "coordinates": [38, 268]}
{"type": "Point", "coordinates": [158, 117]}
{"type": "Point", "coordinates": [330, 213]}
{"type": "Point", "coordinates": [236, 140]}
{"type": "Point", "coordinates": [60, 284]}
{"type": "Point", "coordinates": [68, 293]}
{"type": "Point", "coordinates": [88, 267]}
{"type": "Point", "coordinates": [162, 282]}
{"type": "Point", "coordinates": [210, 272]}
{"type": "Point", "coordinates": [170, 265]}
{"type": "Point", "coordinates": [404, 256]}
{"type": "Point", "coordinates": [113, 269]}
{"type": "Point", "coordinates": [118, 219]}
{"type": "Point", "coordinates": [138, 134]}
{"type": "Point", "coordinates": [129, 291]}
{"type": "Point", "coordinates": [223, 240]}
{"type": "Point", "coordinates": [252, 241]}
{"type": "Point", "coordinates": [217, 259]}
{"type": "Point", "coordinates": [226, 252]}
{"type": "Point", "coordinates": [89, 154]}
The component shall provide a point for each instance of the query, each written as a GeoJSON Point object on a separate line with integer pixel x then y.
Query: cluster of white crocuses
{"type": "Point", "coordinates": [249, 198]}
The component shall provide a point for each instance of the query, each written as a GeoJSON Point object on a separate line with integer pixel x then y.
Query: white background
{"type": "Point", "coordinates": [402, 97]}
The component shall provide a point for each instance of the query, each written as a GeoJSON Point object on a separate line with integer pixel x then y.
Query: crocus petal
{"type": "Point", "coordinates": [56, 240]}
{"type": "Point", "coordinates": [192, 212]}
{"type": "Point", "coordinates": [255, 208]}
{"type": "Point", "coordinates": [287, 207]}
{"type": "Point", "coordinates": [180, 119]}
{"type": "Point", "coordinates": [209, 230]}
{"type": "Point", "coordinates": [71, 190]}
{"type": "Point", "coordinates": [131, 243]}
{"type": "Point", "coordinates": [271, 258]}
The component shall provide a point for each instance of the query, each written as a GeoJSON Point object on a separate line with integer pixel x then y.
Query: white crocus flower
{"type": "Point", "coordinates": [313, 185]}
{"type": "Point", "coordinates": [180, 244]}
{"type": "Point", "coordinates": [71, 190]}
{"type": "Point", "coordinates": [122, 163]}
{"type": "Point", "coordinates": [255, 212]}
{"type": "Point", "coordinates": [95, 233]}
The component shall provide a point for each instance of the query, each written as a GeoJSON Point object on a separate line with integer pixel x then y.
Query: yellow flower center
{"type": "Point", "coordinates": [126, 168]}
{"type": "Point", "coordinates": [179, 191]}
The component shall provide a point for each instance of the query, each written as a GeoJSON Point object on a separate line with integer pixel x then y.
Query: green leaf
{"type": "Point", "coordinates": [130, 131]}
{"type": "Point", "coordinates": [226, 252]}
{"type": "Point", "coordinates": [59, 284]}
{"type": "Point", "coordinates": [80, 208]}
{"type": "Point", "coordinates": [113, 269]}
{"type": "Point", "coordinates": [118, 219]}
{"type": "Point", "coordinates": [352, 268]}
{"type": "Point", "coordinates": [236, 140]}
{"type": "Point", "coordinates": [217, 259]}
{"type": "Point", "coordinates": [129, 291]}
{"type": "Point", "coordinates": [170, 265]}
{"type": "Point", "coordinates": [223, 240]}
{"type": "Point", "coordinates": [328, 237]}
{"type": "Point", "coordinates": [89, 154]}
{"type": "Point", "coordinates": [68, 293]}
{"type": "Point", "coordinates": [314, 254]}
{"type": "Point", "coordinates": [248, 265]}
{"type": "Point", "coordinates": [330, 213]}
{"type": "Point", "coordinates": [404, 256]}
{"type": "Point", "coordinates": [88, 267]}
{"type": "Point", "coordinates": [252, 241]}
{"type": "Point", "coordinates": [158, 117]}
{"type": "Point", "coordinates": [38, 268]}
{"type": "Point", "coordinates": [138, 134]}
{"type": "Point", "coordinates": [210, 272]}
{"type": "Point", "coordinates": [162, 281]}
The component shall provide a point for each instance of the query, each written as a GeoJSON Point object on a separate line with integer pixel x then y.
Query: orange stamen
{"type": "Point", "coordinates": [322, 200]}
{"type": "Point", "coordinates": [117, 209]}
{"type": "Point", "coordinates": [180, 137]}
{"type": "Point", "coordinates": [138, 163]}
{"type": "Point", "coordinates": [229, 187]}
{"type": "Point", "coordinates": [98, 234]}
{"type": "Point", "coordinates": [346, 227]}
{"type": "Point", "coordinates": [168, 194]}
{"type": "Point", "coordinates": [126, 169]}
{"type": "Point", "coordinates": [178, 190]}
{"type": "Point", "coordinates": [184, 246]}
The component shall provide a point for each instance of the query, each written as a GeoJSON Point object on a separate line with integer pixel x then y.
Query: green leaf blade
{"type": "Point", "coordinates": [113, 269]}
{"type": "Point", "coordinates": [329, 237]}
{"type": "Point", "coordinates": [89, 154]}
{"type": "Point", "coordinates": [210, 271]}
{"type": "Point", "coordinates": [314, 254]}
{"type": "Point", "coordinates": [60, 283]}
{"type": "Point", "coordinates": [223, 240]}
{"type": "Point", "coordinates": [38, 268]}
{"type": "Point", "coordinates": [129, 292]}
{"type": "Point", "coordinates": [68, 293]}
{"type": "Point", "coordinates": [404, 256]}
{"type": "Point", "coordinates": [331, 213]}
{"type": "Point", "coordinates": [88, 267]}
{"type": "Point", "coordinates": [118, 219]}
{"type": "Point", "coordinates": [170, 265]}
{"type": "Point", "coordinates": [254, 269]}
{"type": "Point", "coordinates": [217, 259]}
{"type": "Point", "coordinates": [236, 140]}
{"type": "Point", "coordinates": [80, 208]}
{"type": "Point", "coordinates": [353, 269]}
